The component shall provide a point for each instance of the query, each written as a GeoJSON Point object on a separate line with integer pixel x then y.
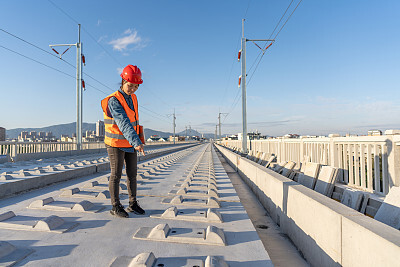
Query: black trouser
{"type": "Point", "coordinates": [117, 158]}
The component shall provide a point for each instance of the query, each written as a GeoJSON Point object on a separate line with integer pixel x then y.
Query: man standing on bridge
{"type": "Point", "coordinates": [123, 138]}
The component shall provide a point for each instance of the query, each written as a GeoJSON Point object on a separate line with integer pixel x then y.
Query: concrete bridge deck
{"type": "Point", "coordinates": [208, 227]}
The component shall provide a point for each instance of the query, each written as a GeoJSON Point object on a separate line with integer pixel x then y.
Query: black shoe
{"type": "Point", "coordinates": [135, 208]}
{"type": "Point", "coordinates": [118, 210]}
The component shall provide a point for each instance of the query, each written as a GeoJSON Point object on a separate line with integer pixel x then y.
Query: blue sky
{"type": "Point", "coordinates": [334, 67]}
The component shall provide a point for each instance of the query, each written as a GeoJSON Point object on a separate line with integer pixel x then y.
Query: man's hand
{"type": "Point", "coordinates": [140, 149]}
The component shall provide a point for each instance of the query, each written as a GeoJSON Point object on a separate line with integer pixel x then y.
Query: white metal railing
{"type": "Point", "coordinates": [14, 148]}
{"type": "Point", "coordinates": [370, 163]}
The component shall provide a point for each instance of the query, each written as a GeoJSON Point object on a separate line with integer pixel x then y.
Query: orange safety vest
{"type": "Point", "coordinates": [113, 135]}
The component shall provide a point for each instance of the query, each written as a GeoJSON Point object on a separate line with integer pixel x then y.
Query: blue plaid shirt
{"type": "Point", "coordinates": [117, 111]}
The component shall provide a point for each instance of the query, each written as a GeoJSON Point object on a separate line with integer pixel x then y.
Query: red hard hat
{"type": "Point", "coordinates": [132, 74]}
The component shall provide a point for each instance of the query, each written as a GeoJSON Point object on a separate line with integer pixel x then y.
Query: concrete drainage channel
{"type": "Point", "coordinates": [193, 218]}
{"type": "Point", "coordinates": [281, 250]}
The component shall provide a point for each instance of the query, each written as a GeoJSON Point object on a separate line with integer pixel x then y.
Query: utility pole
{"type": "Point", "coordinates": [243, 85]}
{"type": "Point", "coordinates": [219, 122]}
{"type": "Point", "coordinates": [79, 82]}
{"type": "Point", "coordinates": [173, 123]}
{"type": "Point", "coordinates": [216, 127]}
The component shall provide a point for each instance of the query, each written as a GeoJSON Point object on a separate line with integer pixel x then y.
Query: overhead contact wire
{"type": "Point", "coordinates": [263, 52]}
{"type": "Point", "coordinates": [41, 63]}
{"type": "Point", "coordinates": [94, 39]}
{"type": "Point", "coordinates": [288, 19]}
{"type": "Point", "coordinates": [281, 19]}
{"type": "Point", "coordinates": [62, 72]}
{"type": "Point", "coordinates": [65, 13]}
{"type": "Point", "coordinates": [51, 54]}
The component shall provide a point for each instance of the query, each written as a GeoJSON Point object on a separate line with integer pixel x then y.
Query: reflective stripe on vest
{"type": "Point", "coordinates": [115, 136]}
{"type": "Point", "coordinates": [109, 121]}
{"type": "Point", "coordinates": [112, 121]}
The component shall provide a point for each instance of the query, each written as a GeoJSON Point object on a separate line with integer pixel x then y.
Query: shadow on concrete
{"type": "Point", "coordinates": [23, 218]}
{"type": "Point", "coordinates": [223, 195]}
{"type": "Point", "coordinates": [234, 217]}
{"type": "Point", "coordinates": [255, 263]}
{"type": "Point", "coordinates": [47, 252]}
{"type": "Point", "coordinates": [304, 242]}
{"type": "Point", "coordinates": [224, 187]}
{"type": "Point", "coordinates": [155, 177]}
{"type": "Point", "coordinates": [54, 187]}
{"type": "Point", "coordinates": [234, 238]}
{"type": "Point", "coordinates": [148, 182]}
{"type": "Point", "coordinates": [143, 188]}
{"type": "Point", "coordinates": [89, 224]}
{"type": "Point", "coordinates": [42, 252]}
{"type": "Point", "coordinates": [218, 182]}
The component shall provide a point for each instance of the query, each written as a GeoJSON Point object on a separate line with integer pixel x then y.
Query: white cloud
{"type": "Point", "coordinates": [119, 70]}
{"type": "Point", "coordinates": [102, 38]}
{"type": "Point", "coordinates": [98, 22]}
{"type": "Point", "coordinates": [124, 43]}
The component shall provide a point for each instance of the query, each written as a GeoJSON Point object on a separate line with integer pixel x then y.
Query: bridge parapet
{"type": "Point", "coordinates": [370, 163]}
{"type": "Point", "coordinates": [327, 232]}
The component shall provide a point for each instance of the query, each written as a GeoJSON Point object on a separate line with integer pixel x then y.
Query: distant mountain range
{"type": "Point", "coordinates": [70, 128]}
{"type": "Point", "coordinates": [57, 130]}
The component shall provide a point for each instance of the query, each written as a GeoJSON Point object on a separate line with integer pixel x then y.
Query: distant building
{"type": "Point", "coordinates": [90, 134]}
{"type": "Point", "coordinates": [32, 135]}
{"type": "Point", "coordinates": [232, 137]}
{"type": "Point", "coordinates": [177, 138]}
{"type": "Point", "coordinates": [374, 133]}
{"type": "Point", "coordinates": [171, 138]}
{"type": "Point", "coordinates": [350, 135]}
{"type": "Point", "coordinates": [91, 138]}
{"type": "Point", "coordinates": [155, 138]}
{"type": "Point", "coordinates": [23, 136]}
{"type": "Point", "coordinates": [36, 137]}
{"type": "Point", "coordinates": [100, 129]}
{"type": "Point", "coordinates": [50, 137]}
{"type": "Point", "coordinates": [291, 136]}
{"type": "Point", "coordinates": [251, 136]}
{"type": "Point", "coordinates": [2, 134]}
{"type": "Point", "coordinates": [66, 138]}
